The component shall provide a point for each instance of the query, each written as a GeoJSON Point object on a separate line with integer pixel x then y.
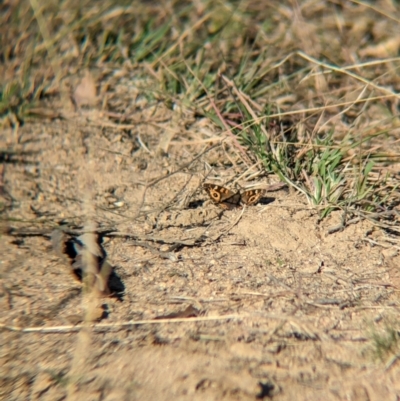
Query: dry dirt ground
{"type": "Point", "coordinates": [250, 303]}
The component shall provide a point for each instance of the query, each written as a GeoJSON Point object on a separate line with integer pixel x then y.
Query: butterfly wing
{"type": "Point", "coordinates": [221, 196]}
{"type": "Point", "coordinates": [251, 196]}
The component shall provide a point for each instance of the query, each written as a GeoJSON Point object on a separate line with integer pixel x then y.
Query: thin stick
{"type": "Point", "coordinates": [121, 325]}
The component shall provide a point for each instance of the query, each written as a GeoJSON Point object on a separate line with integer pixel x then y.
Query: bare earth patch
{"type": "Point", "coordinates": [254, 302]}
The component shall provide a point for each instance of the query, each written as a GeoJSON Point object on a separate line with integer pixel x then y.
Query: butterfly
{"type": "Point", "coordinates": [228, 199]}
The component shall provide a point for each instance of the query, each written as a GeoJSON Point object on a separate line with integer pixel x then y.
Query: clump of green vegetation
{"type": "Point", "coordinates": [321, 168]}
{"type": "Point", "coordinates": [386, 343]}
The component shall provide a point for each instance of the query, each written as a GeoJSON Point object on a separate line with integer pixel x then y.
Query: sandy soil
{"type": "Point", "coordinates": [251, 303]}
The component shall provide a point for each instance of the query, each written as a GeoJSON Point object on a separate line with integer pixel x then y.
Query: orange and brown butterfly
{"type": "Point", "coordinates": [228, 199]}
{"type": "Point", "coordinates": [251, 196]}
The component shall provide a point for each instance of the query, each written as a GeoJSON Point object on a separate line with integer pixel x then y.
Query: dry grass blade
{"type": "Point", "coordinates": [99, 327]}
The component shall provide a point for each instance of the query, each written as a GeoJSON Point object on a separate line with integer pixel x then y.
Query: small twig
{"type": "Point", "coordinates": [46, 232]}
{"type": "Point", "coordinates": [152, 249]}
{"type": "Point", "coordinates": [381, 245]}
{"type": "Point", "coordinates": [276, 281]}
{"type": "Point", "coordinates": [142, 144]}
{"type": "Point", "coordinates": [107, 232]}
{"type": "Point", "coordinates": [188, 242]}
{"type": "Point", "coordinates": [392, 361]}
{"type": "Point", "coordinates": [121, 325]}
